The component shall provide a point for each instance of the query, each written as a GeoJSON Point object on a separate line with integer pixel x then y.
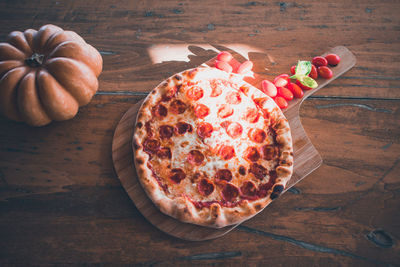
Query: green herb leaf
{"type": "Point", "coordinates": [303, 68]}
{"type": "Point", "coordinates": [308, 81]}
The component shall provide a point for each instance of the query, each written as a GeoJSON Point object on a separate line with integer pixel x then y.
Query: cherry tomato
{"type": "Point", "coordinates": [281, 80]}
{"type": "Point", "coordinates": [281, 102]}
{"type": "Point", "coordinates": [302, 86]}
{"type": "Point", "coordinates": [332, 59]}
{"type": "Point", "coordinates": [285, 93]}
{"type": "Point", "coordinates": [222, 65]}
{"type": "Point", "coordinates": [319, 61]}
{"type": "Point", "coordinates": [293, 69]}
{"type": "Point", "coordinates": [313, 74]}
{"type": "Point", "coordinates": [296, 90]}
{"type": "Point", "coordinates": [325, 72]}
{"type": "Point", "coordinates": [268, 88]}
{"type": "Point", "coordinates": [224, 56]}
{"type": "Point", "coordinates": [245, 67]}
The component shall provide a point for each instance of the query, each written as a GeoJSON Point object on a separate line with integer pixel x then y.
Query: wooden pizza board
{"type": "Point", "coordinates": [306, 158]}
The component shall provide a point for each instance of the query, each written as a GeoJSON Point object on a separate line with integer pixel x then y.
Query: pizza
{"type": "Point", "coordinates": [211, 149]}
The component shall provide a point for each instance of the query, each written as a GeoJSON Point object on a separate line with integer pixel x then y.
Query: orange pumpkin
{"type": "Point", "coordinates": [46, 75]}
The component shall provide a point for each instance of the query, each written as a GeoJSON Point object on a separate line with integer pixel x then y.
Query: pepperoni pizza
{"type": "Point", "coordinates": [211, 149]}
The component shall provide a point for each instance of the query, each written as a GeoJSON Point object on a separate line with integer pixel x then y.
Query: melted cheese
{"type": "Point", "coordinates": [181, 145]}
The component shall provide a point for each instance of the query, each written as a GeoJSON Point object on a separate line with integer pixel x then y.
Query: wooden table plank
{"type": "Point", "coordinates": [125, 32]}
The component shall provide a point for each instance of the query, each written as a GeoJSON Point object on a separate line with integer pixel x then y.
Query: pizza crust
{"type": "Point", "coordinates": [181, 207]}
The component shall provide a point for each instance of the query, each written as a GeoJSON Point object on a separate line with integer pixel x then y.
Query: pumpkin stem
{"type": "Point", "coordinates": [36, 60]}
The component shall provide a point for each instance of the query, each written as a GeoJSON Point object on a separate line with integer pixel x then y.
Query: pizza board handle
{"type": "Point", "coordinates": [306, 157]}
{"type": "Point", "coordinates": [306, 160]}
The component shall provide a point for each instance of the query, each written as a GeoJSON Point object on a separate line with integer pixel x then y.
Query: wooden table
{"type": "Point", "coordinates": [62, 203]}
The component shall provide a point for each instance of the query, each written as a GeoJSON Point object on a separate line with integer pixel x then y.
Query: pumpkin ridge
{"type": "Point", "coordinates": [60, 46]}
{"type": "Point", "coordinates": [56, 109]}
{"type": "Point", "coordinates": [13, 64]}
{"type": "Point", "coordinates": [29, 102]}
{"type": "Point", "coordinates": [29, 34]}
{"type": "Point", "coordinates": [82, 92]}
{"type": "Point", "coordinates": [61, 37]}
{"type": "Point", "coordinates": [42, 37]}
{"type": "Point", "coordinates": [8, 98]}
{"type": "Point", "coordinates": [44, 55]}
{"type": "Point", "coordinates": [18, 40]}
{"type": "Point", "coordinates": [79, 55]}
{"type": "Point", "coordinates": [10, 52]}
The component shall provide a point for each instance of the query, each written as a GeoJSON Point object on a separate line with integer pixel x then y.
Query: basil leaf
{"type": "Point", "coordinates": [303, 68]}
{"type": "Point", "coordinates": [309, 82]}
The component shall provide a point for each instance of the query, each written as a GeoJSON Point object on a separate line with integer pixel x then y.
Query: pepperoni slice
{"type": "Point", "coordinates": [205, 187]}
{"type": "Point", "coordinates": [151, 145]}
{"type": "Point", "coordinates": [194, 93]}
{"type": "Point", "coordinates": [177, 106]}
{"type": "Point", "coordinates": [258, 170]}
{"type": "Point", "coordinates": [229, 192]}
{"type": "Point", "coordinates": [195, 157]}
{"type": "Point", "coordinates": [257, 135]}
{"type": "Point", "coordinates": [248, 189]}
{"type": "Point", "coordinates": [171, 92]}
{"type": "Point", "coordinates": [177, 175]}
{"type": "Point", "coordinates": [204, 130]}
{"type": "Point", "coordinates": [233, 98]}
{"type": "Point", "coordinates": [159, 111]}
{"type": "Point", "coordinates": [252, 154]}
{"type": "Point", "coordinates": [242, 170]}
{"type": "Point", "coordinates": [225, 111]}
{"type": "Point", "coordinates": [201, 111]}
{"type": "Point", "coordinates": [183, 127]}
{"type": "Point", "coordinates": [224, 174]}
{"type": "Point", "coordinates": [234, 130]}
{"type": "Point", "coordinates": [226, 152]}
{"type": "Point", "coordinates": [216, 88]}
{"type": "Point", "coordinates": [166, 131]}
{"type": "Point", "coordinates": [252, 115]}
{"type": "Point", "coordinates": [268, 152]}
{"type": "Point", "coordinates": [263, 190]}
{"type": "Point", "coordinates": [164, 153]}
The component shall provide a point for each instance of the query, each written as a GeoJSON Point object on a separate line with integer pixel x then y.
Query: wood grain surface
{"type": "Point", "coordinates": [61, 202]}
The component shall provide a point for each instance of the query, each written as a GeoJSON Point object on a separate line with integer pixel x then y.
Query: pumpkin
{"type": "Point", "coordinates": [46, 75]}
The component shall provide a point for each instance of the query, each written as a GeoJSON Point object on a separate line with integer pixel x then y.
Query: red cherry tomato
{"type": "Point", "coordinates": [319, 61]}
{"type": "Point", "coordinates": [332, 59]}
{"type": "Point", "coordinates": [268, 88]}
{"type": "Point", "coordinates": [285, 93]}
{"type": "Point", "coordinates": [302, 86]}
{"type": "Point", "coordinates": [313, 74]}
{"type": "Point", "coordinates": [281, 80]}
{"type": "Point", "coordinates": [222, 65]}
{"type": "Point", "coordinates": [325, 72]}
{"type": "Point", "coordinates": [224, 56]}
{"type": "Point", "coordinates": [281, 102]}
{"type": "Point", "coordinates": [296, 90]}
{"type": "Point", "coordinates": [293, 69]}
{"type": "Point", "coordinates": [245, 67]}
